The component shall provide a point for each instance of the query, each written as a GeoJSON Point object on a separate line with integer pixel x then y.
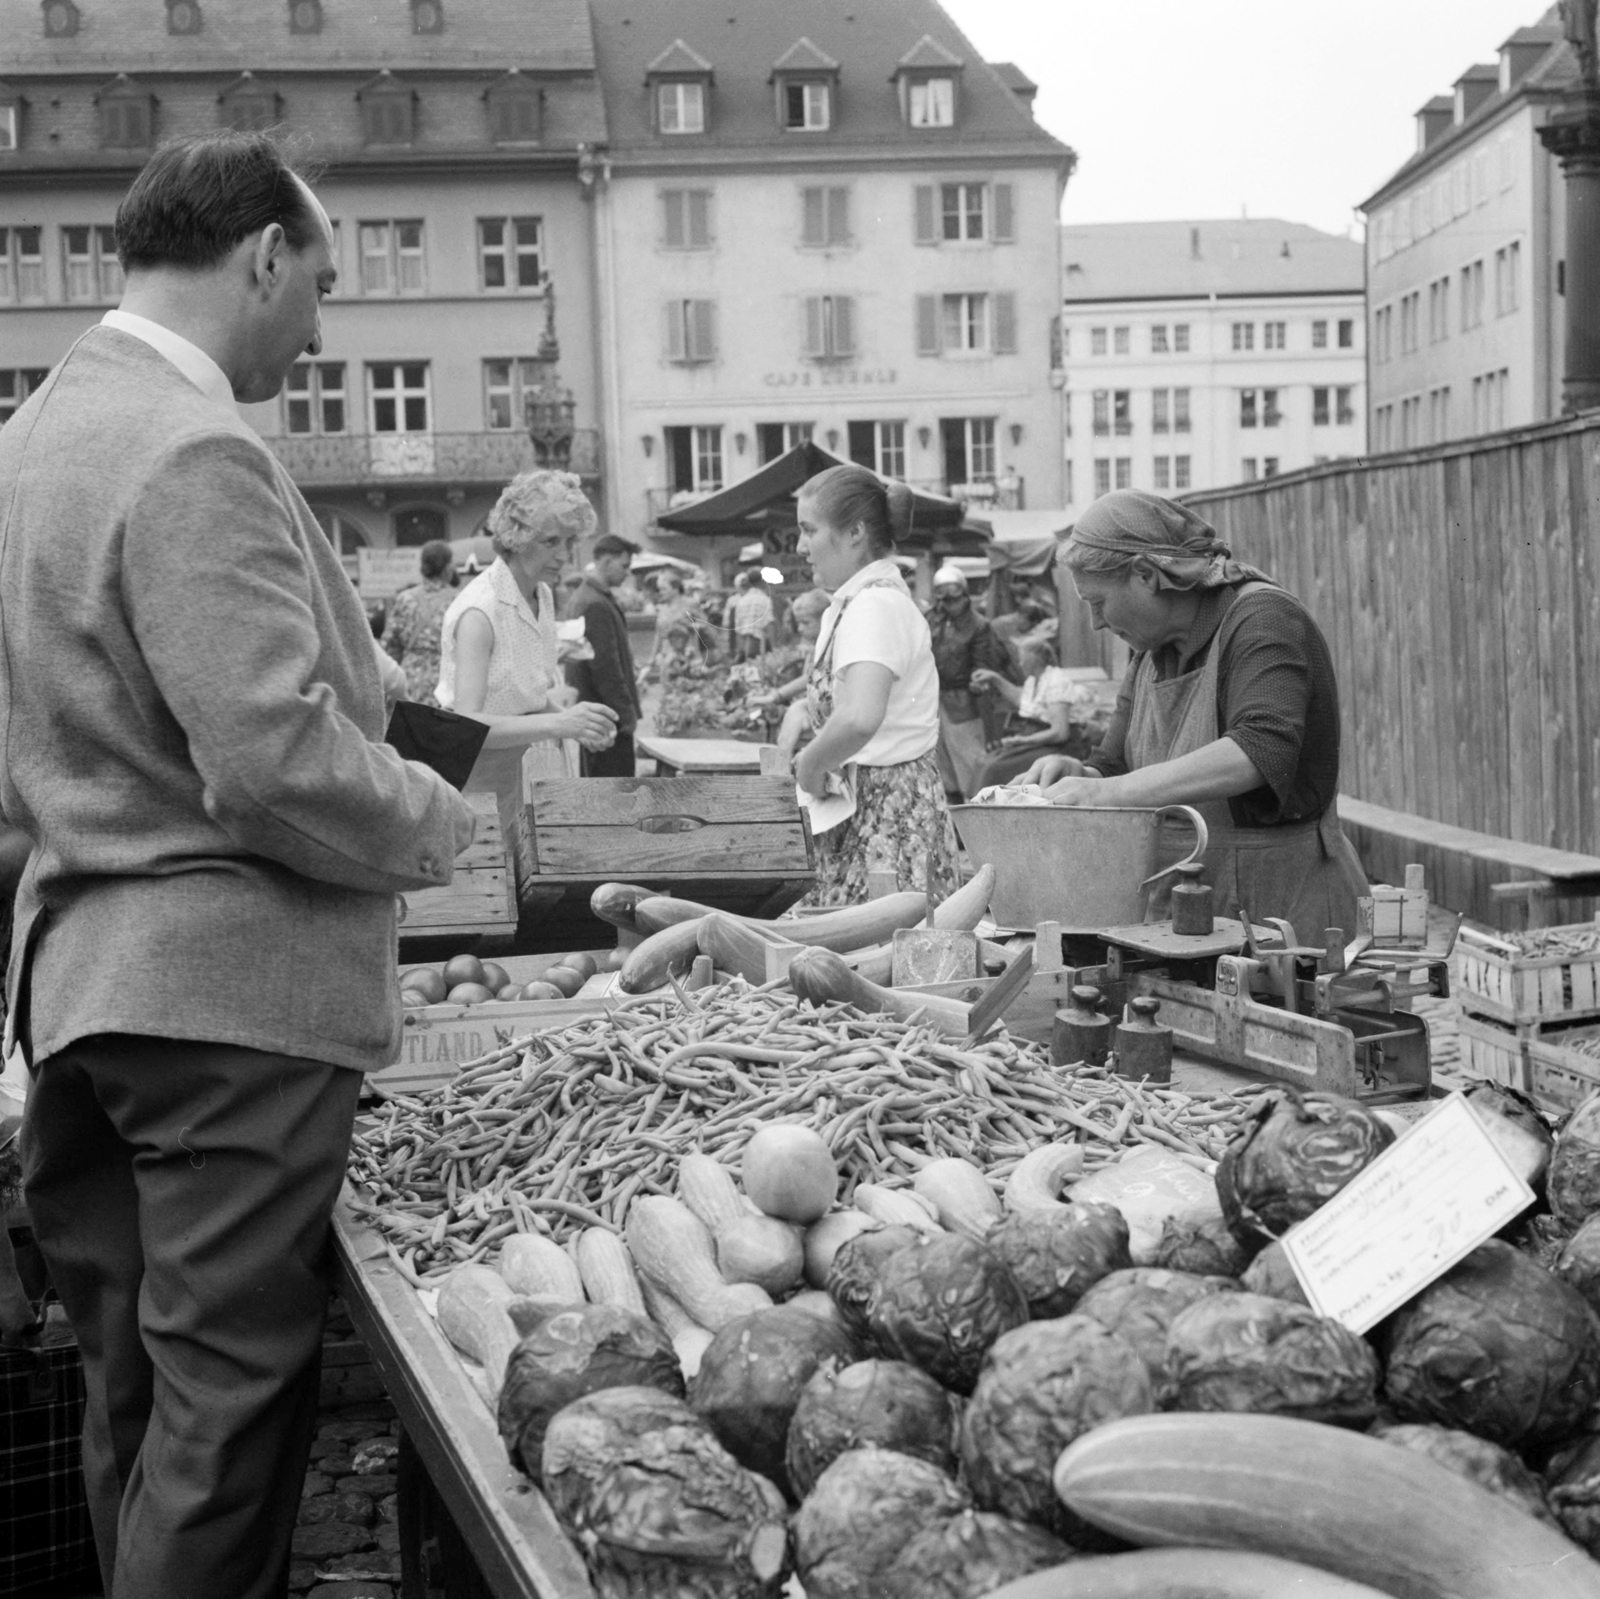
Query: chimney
{"type": "Point", "coordinates": [1194, 244]}
{"type": "Point", "coordinates": [1473, 87]}
{"type": "Point", "coordinates": [1435, 118]}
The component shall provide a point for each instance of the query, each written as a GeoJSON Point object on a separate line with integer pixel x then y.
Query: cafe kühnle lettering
{"type": "Point", "coordinates": [831, 377]}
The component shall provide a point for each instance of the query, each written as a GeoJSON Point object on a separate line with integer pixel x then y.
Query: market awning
{"type": "Point", "coordinates": [1025, 542]}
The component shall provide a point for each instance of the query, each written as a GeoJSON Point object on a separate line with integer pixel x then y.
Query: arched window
{"type": "Point", "coordinates": [417, 524]}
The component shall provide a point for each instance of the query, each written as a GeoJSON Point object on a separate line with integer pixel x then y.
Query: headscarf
{"type": "Point", "coordinates": [950, 574]}
{"type": "Point", "coordinates": [1182, 547]}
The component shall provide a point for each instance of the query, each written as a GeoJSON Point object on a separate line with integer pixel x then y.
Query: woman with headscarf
{"type": "Point", "coordinates": [1229, 705]}
{"type": "Point", "coordinates": [498, 649]}
{"type": "Point", "coordinates": [963, 644]}
{"type": "Point", "coordinates": [411, 635]}
{"type": "Point", "coordinates": [868, 777]}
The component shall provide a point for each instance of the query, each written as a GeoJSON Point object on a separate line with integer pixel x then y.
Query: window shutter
{"type": "Point", "coordinates": [812, 221]}
{"type": "Point", "coordinates": [675, 316]}
{"type": "Point", "coordinates": [1005, 324]}
{"type": "Point", "coordinates": [813, 345]}
{"type": "Point", "coordinates": [699, 218]}
{"type": "Point", "coordinates": [925, 233]}
{"type": "Point", "coordinates": [844, 325]}
{"type": "Point", "coordinates": [672, 227]}
{"type": "Point", "coordinates": [838, 216]}
{"type": "Point", "coordinates": [1005, 231]}
{"type": "Point", "coordinates": [863, 444]}
{"type": "Point", "coordinates": [705, 334]}
{"type": "Point", "coordinates": [927, 324]}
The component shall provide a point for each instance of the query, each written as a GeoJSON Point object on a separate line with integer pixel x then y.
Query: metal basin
{"type": "Point", "coordinates": [1085, 867]}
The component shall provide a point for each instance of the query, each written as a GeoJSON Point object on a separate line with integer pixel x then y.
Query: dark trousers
{"type": "Point", "coordinates": [614, 762]}
{"type": "Point", "coordinates": [180, 1192]}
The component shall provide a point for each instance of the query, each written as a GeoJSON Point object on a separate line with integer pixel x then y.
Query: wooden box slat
{"type": "Point", "coordinates": [722, 848]}
{"type": "Point", "coordinates": [623, 802]}
{"type": "Point", "coordinates": [481, 897]}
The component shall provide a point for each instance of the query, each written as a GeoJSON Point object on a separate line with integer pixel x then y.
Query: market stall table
{"type": "Point", "coordinates": [679, 757]}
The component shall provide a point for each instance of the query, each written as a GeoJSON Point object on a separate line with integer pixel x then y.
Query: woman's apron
{"type": "Point", "coordinates": [1306, 872]}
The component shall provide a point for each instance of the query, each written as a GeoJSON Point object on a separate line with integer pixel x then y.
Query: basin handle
{"type": "Point", "coordinates": [1202, 839]}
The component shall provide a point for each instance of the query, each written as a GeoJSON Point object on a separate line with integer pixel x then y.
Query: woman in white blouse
{"type": "Point", "coordinates": [498, 651]}
{"type": "Point", "coordinates": [1045, 700]}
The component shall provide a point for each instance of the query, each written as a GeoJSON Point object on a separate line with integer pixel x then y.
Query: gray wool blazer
{"type": "Point", "coordinates": [190, 734]}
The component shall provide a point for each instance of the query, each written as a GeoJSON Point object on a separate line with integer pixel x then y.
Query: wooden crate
{"type": "Point", "coordinates": [737, 843]}
{"type": "Point", "coordinates": [1495, 1050]}
{"type": "Point", "coordinates": [481, 900]}
{"type": "Point", "coordinates": [1495, 979]}
{"type": "Point", "coordinates": [1561, 1075]}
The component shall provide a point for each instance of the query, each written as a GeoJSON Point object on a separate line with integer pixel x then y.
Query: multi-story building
{"type": "Point", "coordinates": [453, 145]}
{"type": "Point", "coordinates": [1203, 353]}
{"type": "Point", "coordinates": [831, 221]}
{"type": "Point", "coordinates": [1465, 245]}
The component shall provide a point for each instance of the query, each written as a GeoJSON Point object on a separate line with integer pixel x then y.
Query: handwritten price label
{"type": "Point", "coordinates": [1426, 1202]}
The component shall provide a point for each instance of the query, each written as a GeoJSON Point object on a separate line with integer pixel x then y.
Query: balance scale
{"type": "Point", "coordinates": [1250, 995]}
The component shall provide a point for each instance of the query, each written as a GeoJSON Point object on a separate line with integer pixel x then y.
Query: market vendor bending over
{"type": "Point", "coordinates": [1229, 705]}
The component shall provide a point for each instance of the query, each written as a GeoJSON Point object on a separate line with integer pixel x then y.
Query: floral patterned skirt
{"type": "Point", "coordinates": [901, 824]}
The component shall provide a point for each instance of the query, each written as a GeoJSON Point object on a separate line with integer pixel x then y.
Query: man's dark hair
{"type": "Point", "coordinates": [199, 197]}
{"type": "Point", "coordinates": [613, 544]}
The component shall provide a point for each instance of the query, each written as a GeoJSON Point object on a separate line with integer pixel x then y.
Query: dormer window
{"type": "Point", "coordinates": [60, 19]}
{"type": "Point", "coordinates": [127, 115]}
{"type": "Point", "coordinates": [927, 77]}
{"type": "Point", "coordinates": [515, 110]}
{"type": "Point", "coordinates": [305, 16]}
{"type": "Point", "coordinates": [806, 80]}
{"type": "Point", "coordinates": [388, 110]}
{"type": "Point", "coordinates": [183, 16]}
{"type": "Point", "coordinates": [248, 106]}
{"type": "Point", "coordinates": [679, 83]}
{"type": "Point", "coordinates": [427, 16]}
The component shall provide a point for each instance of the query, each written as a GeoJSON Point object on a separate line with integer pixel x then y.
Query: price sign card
{"type": "Point", "coordinates": [1430, 1199]}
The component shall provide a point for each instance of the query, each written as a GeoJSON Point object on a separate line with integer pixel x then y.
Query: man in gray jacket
{"type": "Point", "coordinates": [191, 732]}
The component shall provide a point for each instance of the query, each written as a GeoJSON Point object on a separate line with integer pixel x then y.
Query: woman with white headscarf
{"type": "Point", "coordinates": [963, 645]}
{"type": "Point", "coordinates": [1229, 705]}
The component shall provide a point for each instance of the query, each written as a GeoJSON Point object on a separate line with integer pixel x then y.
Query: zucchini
{"type": "Point", "coordinates": [707, 1187]}
{"type": "Point", "coordinates": [964, 909]}
{"type": "Point", "coordinates": [673, 1249]}
{"type": "Point", "coordinates": [895, 1207]}
{"type": "Point", "coordinates": [823, 977]}
{"type": "Point", "coordinates": [1334, 1499]}
{"type": "Point", "coordinates": [1036, 1181]}
{"type": "Point", "coordinates": [737, 946]}
{"type": "Point", "coordinates": [615, 902]}
{"type": "Point", "coordinates": [669, 953]}
{"type": "Point", "coordinates": [539, 1268]}
{"type": "Point", "coordinates": [1184, 1574]}
{"type": "Point", "coordinates": [852, 927]}
{"type": "Point", "coordinates": [472, 1313]}
{"type": "Point", "coordinates": [607, 1270]}
{"type": "Point", "coordinates": [960, 1193]}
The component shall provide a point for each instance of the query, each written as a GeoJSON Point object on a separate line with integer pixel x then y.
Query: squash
{"type": "Point", "coordinates": [1182, 1574]}
{"type": "Point", "coordinates": [761, 1250]}
{"type": "Point", "coordinates": [736, 946]}
{"type": "Point", "coordinates": [669, 953]}
{"type": "Point", "coordinates": [540, 1268]}
{"type": "Point", "coordinates": [689, 1339]}
{"type": "Point", "coordinates": [472, 1314]}
{"type": "Point", "coordinates": [788, 1172]}
{"type": "Point", "coordinates": [823, 1239]}
{"type": "Point", "coordinates": [615, 902]}
{"type": "Point", "coordinates": [961, 1194]}
{"type": "Point", "coordinates": [1331, 1498]}
{"type": "Point", "coordinates": [896, 1207]}
{"type": "Point", "coordinates": [852, 927]}
{"type": "Point", "coordinates": [964, 909]}
{"type": "Point", "coordinates": [672, 1248]}
{"type": "Point", "coordinates": [707, 1187]}
{"type": "Point", "coordinates": [606, 1268]}
{"type": "Point", "coordinates": [823, 977]}
{"type": "Point", "coordinates": [1036, 1181]}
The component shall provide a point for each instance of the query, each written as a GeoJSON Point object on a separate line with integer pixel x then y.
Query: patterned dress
{"type": "Point", "coordinates": [901, 822]}
{"type": "Point", "coordinates": [411, 635]}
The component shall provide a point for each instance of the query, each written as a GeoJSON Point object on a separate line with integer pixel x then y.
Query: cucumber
{"type": "Point", "coordinates": [1184, 1574]}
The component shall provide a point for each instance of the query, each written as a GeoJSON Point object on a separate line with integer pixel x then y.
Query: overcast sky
{"type": "Point", "coordinates": [1198, 108]}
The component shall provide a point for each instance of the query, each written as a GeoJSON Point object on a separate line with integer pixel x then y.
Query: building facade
{"type": "Point", "coordinates": [452, 142]}
{"type": "Point", "coordinates": [1464, 257]}
{"type": "Point", "coordinates": [1203, 353]}
{"type": "Point", "coordinates": [828, 221]}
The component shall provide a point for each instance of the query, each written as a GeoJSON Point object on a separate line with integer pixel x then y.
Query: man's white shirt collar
{"type": "Point", "coordinates": [189, 358]}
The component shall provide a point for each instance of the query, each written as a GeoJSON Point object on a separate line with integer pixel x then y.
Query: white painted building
{"type": "Point", "coordinates": [833, 221]}
{"type": "Point", "coordinates": [1464, 256]}
{"type": "Point", "coordinates": [1203, 353]}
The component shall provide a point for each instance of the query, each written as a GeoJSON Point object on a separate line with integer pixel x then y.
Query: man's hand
{"type": "Point", "coordinates": [1048, 769]}
{"type": "Point", "coordinates": [984, 679]}
{"type": "Point", "coordinates": [593, 725]}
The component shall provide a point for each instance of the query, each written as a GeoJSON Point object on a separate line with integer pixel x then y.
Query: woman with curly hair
{"type": "Point", "coordinates": [498, 651]}
{"type": "Point", "coordinates": [412, 634]}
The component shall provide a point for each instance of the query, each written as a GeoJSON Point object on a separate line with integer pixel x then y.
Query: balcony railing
{"type": "Point", "coordinates": [993, 494]}
{"type": "Point", "coordinates": [381, 458]}
{"type": "Point", "coordinates": [657, 502]}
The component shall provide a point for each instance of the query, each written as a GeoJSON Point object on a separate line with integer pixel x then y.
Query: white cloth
{"type": "Point", "coordinates": [524, 677]}
{"type": "Point", "coordinates": [877, 620]}
{"type": "Point", "coordinates": [1051, 687]}
{"type": "Point", "coordinates": [189, 358]}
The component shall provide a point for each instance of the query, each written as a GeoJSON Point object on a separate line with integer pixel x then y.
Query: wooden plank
{"type": "Point", "coordinates": [1586, 654]}
{"type": "Point", "coordinates": [1564, 710]}
{"type": "Point", "coordinates": [627, 801]}
{"type": "Point", "coordinates": [479, 899]}
{"type": "Point", "coordinates": [1525, 735]}
{"type": "Point", "coordinates": [728, 846]}
{"type": "Point", "coordinates": [1491, 731]}
{"type": "Point", "coordinates": [695, 755]}
{"type": "Point", "coordinates": [507, 1523]}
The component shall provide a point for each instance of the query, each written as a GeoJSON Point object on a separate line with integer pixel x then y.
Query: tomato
{"type": "Point", "coordinates": [509, 991]}
{"type": "Point", "coordinates": [425, 980]}
{"type": "Point", "coordinates": [541, 991]}
{"type": "Point", "coordinates": [788, 1172]}
{"type": "Point", "coordinates": [468, 994]}
{"type": "Point", "coordinates": [413, 999]}
{"type": "Point", "coordinates": [495, 976]}
{"type": "Point", "coordinates": [564, 978]}
{"type": "Point", "coordinates": [582, 963]}
{"type": "Point", "coordinates": [463, 969]}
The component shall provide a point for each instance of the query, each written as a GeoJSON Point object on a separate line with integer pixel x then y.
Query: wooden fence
{"type": "Point", "coordinates": [1459, 588]}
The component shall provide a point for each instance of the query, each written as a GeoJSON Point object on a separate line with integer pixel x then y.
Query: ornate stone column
{"type": "Point", "coordinates": [1573, 137]}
